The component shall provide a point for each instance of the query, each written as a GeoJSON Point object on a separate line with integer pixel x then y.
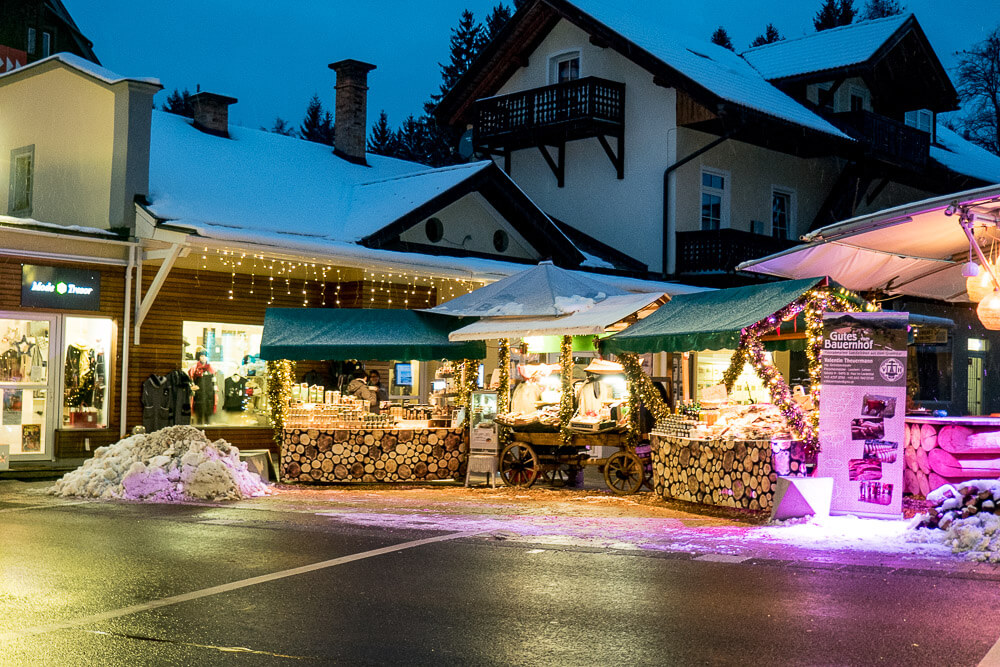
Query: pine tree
{"type": "Point", "coordinates": [411, 140]}
{"type": "Point", "coordinates": [466, 41]}
{"type": "Point", "coordinates": [381, 139]}
{"type": "Point", "coordinates": [770, 36]}
{"type": "Point", "coordinates": [495, 22]}
{"type": "Point", "coordinates": [834, 13]}
{"type": "Point", "coordinates": [281, 126]}
{"type": "Point", "coordinates": [721, 37]}
{"type": "Point", "coordinates": [318, 124]}
{"type": "Point", "coordinates": [879, 9]}
{"type": "Point", "coordinates": [179, 103]}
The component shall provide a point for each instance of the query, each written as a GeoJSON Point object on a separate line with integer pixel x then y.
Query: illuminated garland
{"type": "Point", "coordinates": [736, 364]}
{"type": "Point", "coordinates": [468, 375]}
{"type": "Point", "coordinates": [280, 378]}
{"type": "Point", "coordinates": [566, 400]}
{"type": "Point", "coordinates": [781, 395]}
{"type": "Point", "coordinates": [503, 388]}
{"type": "Point", "coordinates": [641, 391]}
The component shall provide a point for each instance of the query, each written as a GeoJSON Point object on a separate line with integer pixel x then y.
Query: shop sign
{"type": "Point", "coordinates": [863, 411]}
{"type": "Point", "coordinates": [60, 288]}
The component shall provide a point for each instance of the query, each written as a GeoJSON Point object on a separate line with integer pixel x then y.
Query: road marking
{"type": "Point", "coordinates": [41, 507]}
{"type": "Point", "coordinates": [721, 558]}
{"type": "Point", "coordinates": [226, 588]}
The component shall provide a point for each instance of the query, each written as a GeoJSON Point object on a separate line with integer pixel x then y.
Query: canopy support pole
{"type": "Point", "coordinates": [966, 224]}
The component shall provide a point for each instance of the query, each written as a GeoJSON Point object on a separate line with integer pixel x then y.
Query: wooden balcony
{"type": "Point", "coordinates": [551, 116]}
{"type": "Point", "coordinates": [887, 139]}
{"type": "Point", "coordinates": [719, 251]}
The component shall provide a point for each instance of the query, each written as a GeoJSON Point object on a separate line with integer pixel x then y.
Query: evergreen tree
{"type": "Point", "coordinates": [834, 13]}
{"type": "Point", "coordinates": [465, 44]}
{"type": "Point", "coordinates": [495, 22]}
{"type": "Point", "coordinates": [318, 124]}
{"type": "Point", "coordinates": [721, 37]}
{"type": "Point", "coordinates": [179, 103]}
{"type": "Point", "coordinates": [879, 9]}
{"type": "Point", "coordinates": [411, 140]}
{"type": "Point", "coordinates": [770, 36]}
{"type": "Point", "coordinates": [381, 139]}
{"type": "Point", "coordinates": [281, 126]}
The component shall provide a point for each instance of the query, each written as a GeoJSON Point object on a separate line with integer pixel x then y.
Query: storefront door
{"type": "Point", "coordinates": [977, 354]}
{"type": "Point", "coordinates": [26, 384]}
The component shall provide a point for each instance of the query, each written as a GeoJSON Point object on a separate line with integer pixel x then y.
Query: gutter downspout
{"type": "Point", "coordinates": [125, 342]}
{"type": "Point", "coordinates": [670, 259]}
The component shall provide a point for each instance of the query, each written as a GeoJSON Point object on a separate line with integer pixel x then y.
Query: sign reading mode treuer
{"type": "Point", "coordinates": [60, 288]}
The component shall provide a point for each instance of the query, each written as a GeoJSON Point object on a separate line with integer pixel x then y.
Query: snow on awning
{"type": "Point", "coordinates": [915, 250]}
{"type": "Point", "coordinates": [595, 320]}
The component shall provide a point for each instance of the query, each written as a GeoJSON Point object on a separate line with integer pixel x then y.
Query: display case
{"type": "Point", "coordinates": [482, 421]}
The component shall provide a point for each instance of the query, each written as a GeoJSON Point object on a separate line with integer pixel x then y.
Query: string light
{"type": "Point", "coordinates": [280, 377]}
{"type": "Point", "coordinates": [566, 400]}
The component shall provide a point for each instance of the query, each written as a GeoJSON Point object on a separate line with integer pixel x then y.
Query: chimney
{"type": "Point", "coordinates": [351, 113]}
{"type": "Point", "coordinates": [211, 113]}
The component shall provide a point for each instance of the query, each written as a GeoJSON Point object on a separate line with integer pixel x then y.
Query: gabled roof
{"type": "Point", "coordinates": [84, 44]}
{"type": "Point", "coordinates": [827, 49]}
{"type": "Point", "coordinates": [80, 65]}
{"type": "Point", "coordinates": [258, 182]}
{"type": "Point", "coordinates": [710, 72]}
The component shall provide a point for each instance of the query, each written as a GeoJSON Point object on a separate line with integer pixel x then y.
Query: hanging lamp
{"type": "Point", "coordinates": [989, 311]}
{"type": "Point", "coordinates": [979, 286]}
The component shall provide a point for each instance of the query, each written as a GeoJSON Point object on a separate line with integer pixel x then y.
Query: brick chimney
{"type": "Point", "coordinates": [351, 113]}
{"type": "Point", "coordinates": [211, 113]}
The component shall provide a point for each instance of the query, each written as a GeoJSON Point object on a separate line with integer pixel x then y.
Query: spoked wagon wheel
{"type": "Point", "coordinates": [623, 473]}
{"type": "Point", "coordinates": [560, 476]}
{"type": "Point", "coordinates": [518, 465]}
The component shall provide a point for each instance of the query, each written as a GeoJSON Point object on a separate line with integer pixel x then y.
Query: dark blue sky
{"type": "Point", "coordinates": [273, 56]}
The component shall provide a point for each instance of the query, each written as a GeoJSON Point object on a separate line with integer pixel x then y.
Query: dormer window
{"type": "Point", "coordinates": [564, 67]}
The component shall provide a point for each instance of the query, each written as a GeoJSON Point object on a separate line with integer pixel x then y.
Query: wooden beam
{"type": "Point", "coordinates": [557, 165]}
{"type": "Point", "coordinates": [154, 287]}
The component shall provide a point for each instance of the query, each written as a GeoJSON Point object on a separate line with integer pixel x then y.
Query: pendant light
{"type": "Point", "coordinates": [989, 311]}
{"type": "Point", "coordinates": [979, 286]}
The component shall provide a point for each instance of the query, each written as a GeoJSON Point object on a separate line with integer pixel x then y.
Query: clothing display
{"type": "Point", "coordinates": [166, 400]}
{"type": "Point", "coordinates": [82, 379]}
{"type": "Point", "coordinates": [203, 380]}
{"type": "Point", "coordinates": [235, 396]}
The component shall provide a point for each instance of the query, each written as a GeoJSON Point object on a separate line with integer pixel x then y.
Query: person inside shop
{"type": "Point", "coordinates": [375, 384]}
{"type": "Point", "coordinates": [359, 388]}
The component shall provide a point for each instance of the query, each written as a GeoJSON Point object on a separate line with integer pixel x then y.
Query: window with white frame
{"type": "Point", "coordinates": [46, 44]}
{"type": "Point", "coordinates": [564, 67]}
{"type": "Point", "coordinates": [30, 48]}
{"type": "Point", "coordinates": [922, 119]}
{"type": "Point", "coordinates": [714, 200]}
{"type": "Point", "coordinates": [782, 213]}
{"type": "Point", "coordinates": [22, 168]}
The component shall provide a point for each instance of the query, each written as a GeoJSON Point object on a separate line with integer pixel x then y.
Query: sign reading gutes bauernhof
{"type": "Point", "coordinates": [60, 288]}
{"type": "Point", "coordinates": [862, 411]}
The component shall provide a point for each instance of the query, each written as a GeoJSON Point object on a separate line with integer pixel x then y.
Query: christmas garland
{"type": "Point", "coordinates": [468, 376]}
{"type": "Point", "coordinates": [641, 391]}
{"type": "Point", "coordinates": [280, 378]}
{"type": "Point", "coordinates": [566, 400]}
{"type": "Point", "coordinates": [503, 388]}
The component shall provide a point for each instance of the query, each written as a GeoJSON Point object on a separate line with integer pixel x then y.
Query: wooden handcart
{"type": "Point", "coordinates": [533, 456]}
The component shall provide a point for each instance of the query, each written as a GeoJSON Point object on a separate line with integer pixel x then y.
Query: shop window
{"type": "Point", "coordinates": [22, 168]}
{"type": "Point", "coordinates": [929, 371]}
{"type": "Point", "coordinates": [714, 204]}
{"type": "Point", "coordinates": [227, 374]}
{"type": "Point", "coordinates": [86, 361]}
{"type": "Point", "coordinates": [24, 375]}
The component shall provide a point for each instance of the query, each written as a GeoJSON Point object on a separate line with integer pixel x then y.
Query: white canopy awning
{"type": "Point", "coordinates": [594, 320]}
{"type": "Point", "coordinates": [917, 249]}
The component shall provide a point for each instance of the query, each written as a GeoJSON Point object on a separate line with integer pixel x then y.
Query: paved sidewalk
{"type": "Point", "coordinates": [593, 519]}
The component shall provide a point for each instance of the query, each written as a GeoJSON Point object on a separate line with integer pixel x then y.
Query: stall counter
{"type": "Point", "coordinates": [376, 455]}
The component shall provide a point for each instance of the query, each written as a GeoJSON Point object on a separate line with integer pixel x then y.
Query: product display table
{"type": "Point", "coordinates": [729, 473]}
{"type": "Point", "coordinates": [379, 455]}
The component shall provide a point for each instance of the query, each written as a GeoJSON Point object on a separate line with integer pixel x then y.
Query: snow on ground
{"type": "Point", "coordinates": [174, 464]}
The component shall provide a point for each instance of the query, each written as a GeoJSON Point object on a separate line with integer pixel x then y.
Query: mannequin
{"type": "Point", "coordinates": [203, 380]}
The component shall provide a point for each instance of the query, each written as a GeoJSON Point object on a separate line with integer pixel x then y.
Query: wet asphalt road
{"type": "Point", "coordinates": [69, 576]}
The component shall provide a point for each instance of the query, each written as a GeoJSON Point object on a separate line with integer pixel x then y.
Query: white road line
{"type": "Point", "coordinates": [992, 659]}
{"type": "Point", "coordinates": [40, 507]}
{"type": "Point", "coordinates": [722, 558]}
{"type": "Point", "coordinates": [225, 588]}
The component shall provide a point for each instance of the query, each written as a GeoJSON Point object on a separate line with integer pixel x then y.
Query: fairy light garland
{"type": "Point", "coordinates": [641, 389]}
{"type": "Point", "coordinates": [280, 378]}
{"type": "Point", "coordinates": [566, 400]}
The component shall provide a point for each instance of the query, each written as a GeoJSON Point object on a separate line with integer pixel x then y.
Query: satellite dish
{"type": "Point", "coordinates": [465, 148]}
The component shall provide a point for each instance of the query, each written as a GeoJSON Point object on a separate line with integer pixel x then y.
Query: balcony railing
{"type": "Point", "coordinates": [562, 112]}
{"type": "Point", "coordinates": [888, 139]}
{"type": "Point", "coordinates": [719, 251]}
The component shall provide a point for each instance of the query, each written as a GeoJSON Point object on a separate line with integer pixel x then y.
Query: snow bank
{"type": "Point", "coordinates": [963, 518]}
{"type": "Point", "coordinates": [174, 464]}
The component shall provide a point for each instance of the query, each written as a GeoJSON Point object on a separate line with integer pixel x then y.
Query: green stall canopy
{"type": "Point", "coordinates": [316, 334]}
{"type": "Point", "coordinates": [707, 320]}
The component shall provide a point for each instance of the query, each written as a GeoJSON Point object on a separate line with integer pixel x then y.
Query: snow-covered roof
{"type": "Point", "coordinates": [55, 227]}
{"type": "Point", "coordinates": [86, 67]}
{"type": "Point", "coordinates": [827, 49]}
{"type": "Point", "coordinates": [965, 157]}
{"type": "Point", "coordinates": [719, 70]}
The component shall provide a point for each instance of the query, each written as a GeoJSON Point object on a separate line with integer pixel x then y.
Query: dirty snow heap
{"type": "Point", "coordinates": [964, 518]}
{"type": "Point", "coordinates": [174, 464]}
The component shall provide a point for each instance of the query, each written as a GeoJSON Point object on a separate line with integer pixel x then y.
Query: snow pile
{"type": "Point", "coordinates": [963, 518]}
{"type": "Point", "coordinates": [174, 464]}
{"type": "Point", "coordinates": [574, 304]}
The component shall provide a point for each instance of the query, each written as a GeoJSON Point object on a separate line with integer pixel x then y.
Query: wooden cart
{"type": "Point", "coordinates": [532, 456]}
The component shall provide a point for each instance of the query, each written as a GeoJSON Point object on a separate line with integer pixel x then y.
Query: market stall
{"type": "Point", "coordinates": [551, 427]}
{"type": "Point", "coordinates": [330, 437]}
{"type": "Point", "coordinates": [723, 453]}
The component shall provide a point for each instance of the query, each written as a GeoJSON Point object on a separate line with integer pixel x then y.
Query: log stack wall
{"type": "Point", "coordinates": [727, 473]}
{"type": "Point", "coordinates": [394, 455]}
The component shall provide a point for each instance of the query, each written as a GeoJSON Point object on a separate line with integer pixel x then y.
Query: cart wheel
{"type": "Point", "coordinates": [623, 473]}
{"type": "Point", "coordinates": [563, 476]}
{"type": "Point", "coordinates": [518, 465]}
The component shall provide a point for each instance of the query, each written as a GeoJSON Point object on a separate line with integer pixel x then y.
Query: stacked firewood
{"type": "Point", "coordinates": [918, 440]}
{"type": "Point", "coordinates": [952, 503]}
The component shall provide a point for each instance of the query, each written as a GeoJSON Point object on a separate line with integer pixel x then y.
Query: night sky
{"type": "Point", "coordinates": [273, 56]}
